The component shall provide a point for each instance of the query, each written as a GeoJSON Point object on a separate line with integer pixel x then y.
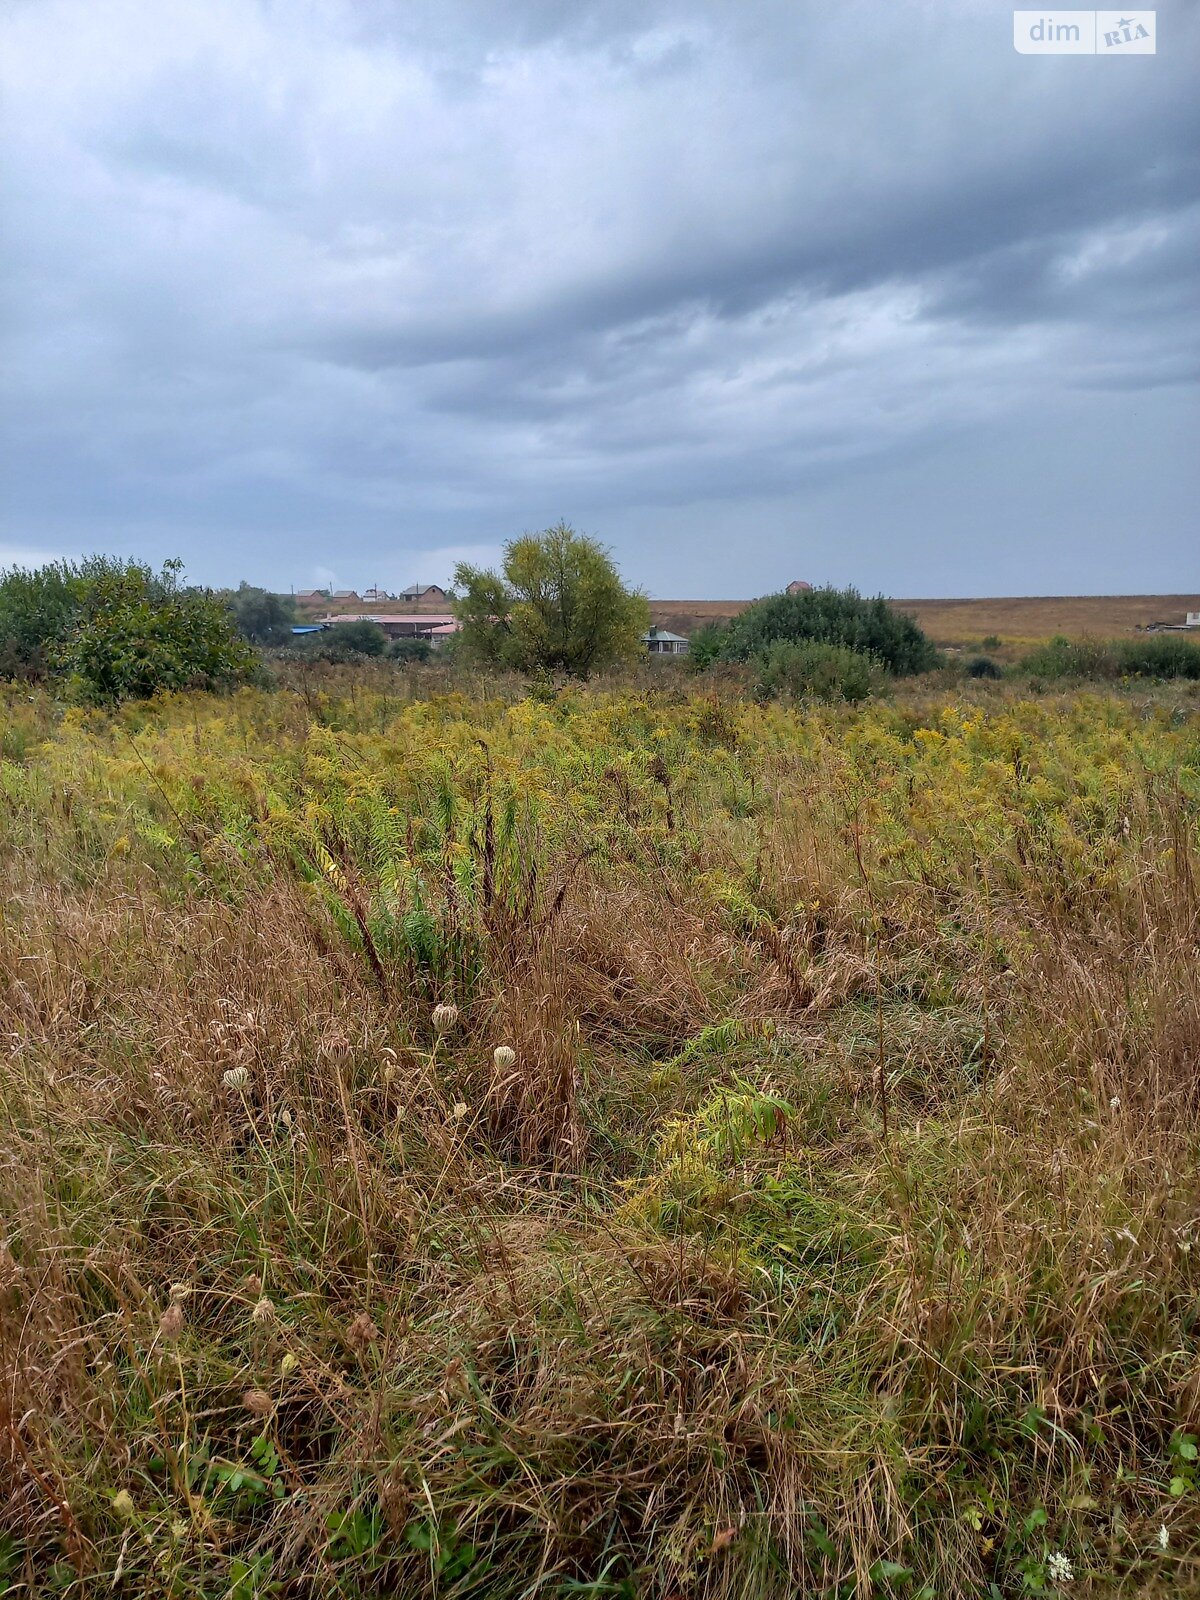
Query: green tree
{"type": "Point", "coordinates": [831, 616]}
{"type": "Point", "coordinates": [557, 605]}
{"type": "Point", "coordinates": [139, 632]}
{"type": "Point", "coordinates": [260, 616]}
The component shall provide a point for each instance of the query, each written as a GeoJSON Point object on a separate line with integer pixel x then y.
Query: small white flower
{"type": "Point", "coordinates": [504, 1057]}
{"type": "Point", "coordinates": [1164, 1538]}
{"type": "Point", "coordinates": [1059, 1568]}
{"type": "Point", "coordinates": [460, 1110]}
{"type": "Point", "coordinates": [236, 1077]}
{"type": "Point", "coordinates": [1115, 1103]}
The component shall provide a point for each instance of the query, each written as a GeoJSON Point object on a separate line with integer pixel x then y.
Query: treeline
{"type": "Point", "coordinates": [110, 630]}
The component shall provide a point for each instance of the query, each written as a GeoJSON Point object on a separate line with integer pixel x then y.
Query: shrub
{"type": "Point", "coordinates": [1155, 656]}
{"type": "Point", "coordinates": [815, 671]}
{"type": "Point", "coordinates": [344, 641]}
{"type": "Point", "coordinates": [140, 632]}
{"type": "Point", "coordinates": [704, 646]}
{"type": "Point", "coordinates": [37, 611]}
{"type": "Point", "coordinates": [984, 667]}
{"type": "Point", "coordinates": [410, 650]}
{"type": "Point", "coordinates": [1164, 655]}
{"type": "Point", "coordinates": [833, 617]}
{"type": "Point", "coordinates": [1071, 658]}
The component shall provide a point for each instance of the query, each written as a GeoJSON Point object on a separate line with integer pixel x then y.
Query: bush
{"type": "Point", "coordinates": [1071, 658]}
{"type": "Point", "coordinates": [815, 671]}
{"type": "Point", "coordinates": [343, 641]}
{"type": "Point", "coordinates": [37, 611]}
{"type": "Point", "coordinates": [1164, 655]}
{"type": "Point", "coordinates": [832, 617]}
{"type": "Point", "coordinates": [1154, 656]}
{"type": "Point", "coordinates": [408, 650]}
{"type": "Point", "coordinates": [704, 646]}
{"type": "Point", "coordinates": [141, 632]}
{"type": "Point", "coordinates": [984, 667]}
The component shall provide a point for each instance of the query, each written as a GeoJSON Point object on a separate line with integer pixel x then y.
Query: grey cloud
{"type": "Point", "coordinates": [295, 279]}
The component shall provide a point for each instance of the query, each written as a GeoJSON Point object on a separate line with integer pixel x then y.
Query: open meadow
{"type": "Point", "coordinates": [628, 1141]}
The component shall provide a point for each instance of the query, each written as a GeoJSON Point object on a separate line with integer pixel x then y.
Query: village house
{"type": "Point", "coordinates": [424, 597]}
{"type": "Point", "coordinates": [798, 586]}
{"type": "Point", "coordinates": [433, 625]}
{"type": "Point", "coordinates": [661, 642]}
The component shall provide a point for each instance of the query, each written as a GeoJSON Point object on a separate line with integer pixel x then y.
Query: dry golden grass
{"type": "Point", "coordinates": [830, 1231]}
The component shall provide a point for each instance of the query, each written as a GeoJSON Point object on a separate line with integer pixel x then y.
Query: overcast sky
{"type": "Point", "coordinates": [345, 290]}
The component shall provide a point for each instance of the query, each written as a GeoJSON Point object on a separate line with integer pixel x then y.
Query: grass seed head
{"type": "Point", "coordinates": [171, 1323]}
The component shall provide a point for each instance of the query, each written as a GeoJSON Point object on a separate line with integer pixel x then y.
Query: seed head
{"type": "Point", "coordinates": [361, 1332]}
{"type": "Point", "coordinates": [264, 1312]}
{"type": "Point", "coordinates": [444, 1018]}
{"type": "Point", "coordinates": [236, 1077]}
{"type": "Point", "coordinates": [460, 1110]}
{"type": "Point", "coordinates": [504, 1057]}
{"type": "Point", "coordinates": [122, 1504]}
{"type": "Point", "coordinates": [180, 1291]}
{"type": "Point", "coordinates": [289, 1364]}
{"type": "Point", "coordinates": [170, 1324]}
{"type": "Point", "coordinates": [258, 1401]}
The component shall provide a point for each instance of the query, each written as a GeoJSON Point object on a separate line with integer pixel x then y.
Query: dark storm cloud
{"type": "Point", "coordinates": [323, 286]}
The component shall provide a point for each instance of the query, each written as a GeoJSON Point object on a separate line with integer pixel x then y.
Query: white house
{"type": "Point", "coordinates": [1192, 620]}
{"type": "Point", "coordinates": [659, 642]}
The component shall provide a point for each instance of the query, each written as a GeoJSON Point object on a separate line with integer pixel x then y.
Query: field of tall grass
{"type": "Point", "coordinates": [628, 1142]}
